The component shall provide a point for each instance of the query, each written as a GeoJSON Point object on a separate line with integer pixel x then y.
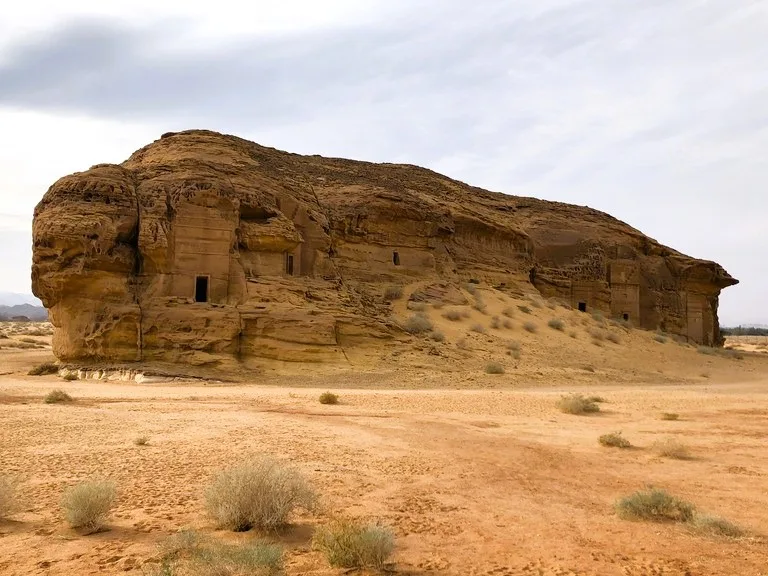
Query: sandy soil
{"type": "Point", "coordinates": [478, 474]}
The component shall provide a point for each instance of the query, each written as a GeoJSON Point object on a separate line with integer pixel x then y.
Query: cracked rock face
{"type": "Point", "coordinates": [208, 249]}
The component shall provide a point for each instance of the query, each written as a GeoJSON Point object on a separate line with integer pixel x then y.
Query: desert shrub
{"type": "Point", "coordinates": [352, 544]}
{"type": "Point", "coordinates": [141, 440]}
{"type": "Point", "coordinates": [524, 309]}
{"type": "Point", "coordinates": [9, 500]}
{"type": "Point", "coordinates": [495, 323]}
{"type": "Point", "coordinates": [671, 448]}
{"type": "Point", "coordinates": [259, 493]}
{"type": "Point", "coordinates": [86, 506]}
{"type": "Point", "coordinates": [508, 312]}
{"type": "Point", "coordinates": [453, 315]}
{"type": "Point", "coordinates": [598, 343]}
{"type": "Point", "coordinates": [257, 558]}
{"type": "Point", "coordinates": [44, 369]}
{"type": "Point", "coordinates": [534, 300]}
{"type": "Point", "coordinates": [706, 350]}
{"type": "Point", "coordinates": [416, 306]}
{"type": "Point", "coordinates": [480, 306]}
{"type": "Point", "coordinates": [530, 327]}
{"type": "Point", "coordinates": [508, 324]}
{"type": "Point", "coordinates": [598, 317]}
{"type": "Point", "coordinates": [494, 368]}
{"type": "Point", "coordinates": [437, 336]}
{"type": "Point", "coordinates": [660, 339]}
{"type": "Point", "coordinates": [57, 396]}
{"type": "Point", "coordinates": [478, 328]}
{"type": "Point", "coordinates": [669, 416]}
{"type": "Point", "coordinates": [598, 399]}
{"type": "Point", "coordinates": [715, 526]}
{"type": "Point", "coordinates": [438, 305]}
{"type": "Point", "coordinates": [556, 324]}
{"type": "Point", "coordinates": [588, 368]}
{"type": "Point", "coordinates": [418, 324]}
{"type": "Point", "coordinates": [70, 376]}
{"type": "Point", "coordinates": [598, 335]}
{"type": "Point", "coordinates": [329, 398]}
{"type": "Point", "coordinates": [577, 404]}
{"type": "Point", "coordinates": [4, 336]}
{"type": "Point", "coordinates": [614, 440]}
{"type": "Point", "coordinates": [513, 345]}
{"type": "Point", "coordinates": [28, 340]}
{"type": "Point", "coordinates": [393, 293]}
{"type": "Point", "coordinates": [613, 337]}
{"type": "Point", "coordinates": [462, 344]}
{"type": "Point", "coordinates": [471, 288]}
{"type": "Point", "coordinates": [656, 506]}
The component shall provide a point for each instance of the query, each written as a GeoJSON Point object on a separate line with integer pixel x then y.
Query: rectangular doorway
{"type": "Point", "coordinates": [201, 289]}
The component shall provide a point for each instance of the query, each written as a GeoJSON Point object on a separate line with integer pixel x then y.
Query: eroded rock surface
{"type": "Point", "coordinates": [208, 249]}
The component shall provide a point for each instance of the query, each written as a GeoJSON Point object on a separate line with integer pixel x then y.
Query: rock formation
{"type": "Point", "coordinates": [208, 249]}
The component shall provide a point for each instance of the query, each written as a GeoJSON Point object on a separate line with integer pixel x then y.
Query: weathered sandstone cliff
{"type": "Point", "coordinates": [211, 250]}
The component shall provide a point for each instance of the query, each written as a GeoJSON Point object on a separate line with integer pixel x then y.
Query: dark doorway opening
{"type": "Point", "coordinates": [201, 289]}
{"type": "Point", "coordinates": [582, 306]}
{"type": "Point", "coordinates": [289, 264]}
{"type": "Point", "coordinates": [396, 258]}
{"type": "Point", "coordinates": [625, 316]}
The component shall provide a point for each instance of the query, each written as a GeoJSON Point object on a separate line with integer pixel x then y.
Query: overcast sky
{"type": "Point", "coordinates": [655, 111]}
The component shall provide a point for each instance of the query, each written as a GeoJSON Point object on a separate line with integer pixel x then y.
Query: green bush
{"type": "Point", "coordinates": [329, 398]}
{"type": "Point", "coordinates": [656, 506]}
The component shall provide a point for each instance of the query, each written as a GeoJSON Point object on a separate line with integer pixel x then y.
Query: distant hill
{"type": "Point", "coordinates": [15, 299]}
{"type": "Point", "coordinates": [37, 313]}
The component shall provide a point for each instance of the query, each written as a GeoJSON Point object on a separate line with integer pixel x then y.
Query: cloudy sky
{"type": "Point", "coordinates": [655, 111]}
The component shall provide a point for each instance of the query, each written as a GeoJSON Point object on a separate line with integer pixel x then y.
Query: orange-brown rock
{"type": "Point", "coordinates": [208, 249]}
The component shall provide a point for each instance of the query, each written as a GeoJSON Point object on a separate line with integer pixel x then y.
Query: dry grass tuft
{"type": "Point", "coordinates": [141, 441]}
{"type": "Point", "coordinates": [577, 404]}
{"type": "Point", "coordinates": [437, 336]}
{"type": "Point", "coordinates": [614, 440]}
{"type": "Point", "coordinates": [508, 324]}
{"type": "Point", "coordinates": [418, 324]}
{"type": "Point", "coordinates": [9, 499]}
{"type": "Point", "coordinates": [655, 505]}
{"type": "Point", "coordinates": [57, 396]}
{"type": "Point", "coordinates": [329, 398]}
{"type": "Point", "coordinates": [260, 493]}
{"type": "Point", "coordinates": [671, 448]}
{"type": "Point", "coordinates": [613, 337]}
{"type": "Point", "coordinates": [416, 306]}
{"type": "Point", "coordinates": [669, 416]}
{"type": "Point", "coordinates": [525, 309]}
{"type": "Point", "coordinates": [494, 368]}
{"type": "Point", "coordinates": [478, 328]}
{"type": "Point", "coordinates": [556, 324]}
{"type": "Point", "coordinates": [530, 327]}
{"type": "Point", "coordinates": [508, 312]}
{"type": "Point", "coordinates": [393, 293]}
{"type": "Point", "coordinates": [495, 323]}
{"type": "Point", "coordinates": [44, 369]}
{"type": "Point", "coordinates": [661, 339]}
{"type": "Point", "coordinates": [87, 505]}
{"type": "Point", "coordinates": [452, 315]}
{"type": "Point", "coordinates": [714, 526]}
{"type": "Point", "coordinates": [352, 544]}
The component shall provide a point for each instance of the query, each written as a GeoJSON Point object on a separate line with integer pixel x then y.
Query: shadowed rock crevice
{"type": "Point", "coordinates": [295, 253]}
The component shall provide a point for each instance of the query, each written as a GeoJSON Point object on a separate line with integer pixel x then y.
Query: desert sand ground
{"type": "Point", "coordinates": [478, 474]}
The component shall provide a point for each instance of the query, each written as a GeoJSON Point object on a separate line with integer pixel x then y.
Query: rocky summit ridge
{"type": "Point", "coordinates": [211, 250]}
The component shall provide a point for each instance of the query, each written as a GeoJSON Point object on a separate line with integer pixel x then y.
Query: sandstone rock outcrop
{"type": "Point", "coordinates": [208, 249]}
